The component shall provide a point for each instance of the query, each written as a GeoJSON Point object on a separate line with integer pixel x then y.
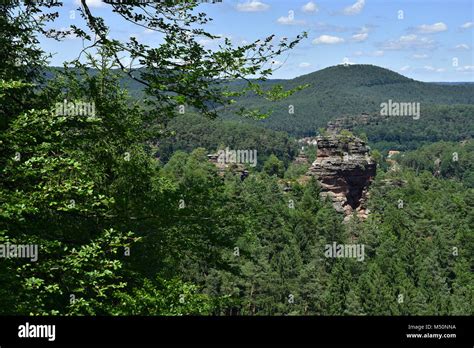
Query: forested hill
{"type": "Point", "coordinates": [350, 90]}
{"type": "Point", "coordinates": [362, 87]}
{"type": "Point", "coordinates": [446, 110]}
{"type": "Point", "coordinates": [377, 85]}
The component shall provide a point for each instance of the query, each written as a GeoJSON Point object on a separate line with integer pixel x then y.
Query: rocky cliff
{"type": "Point", "coordinates": [344, 169]}
{"type": "Point", "coordinates": [222, 167]}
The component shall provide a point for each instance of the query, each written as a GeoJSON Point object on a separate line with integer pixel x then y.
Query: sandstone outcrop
{"type": "Point", "coordinates": [345, 170]}
{"type": "Point", "coordinates": [223, 167]}
{"type": "Point", "coordinates": [302, 158]}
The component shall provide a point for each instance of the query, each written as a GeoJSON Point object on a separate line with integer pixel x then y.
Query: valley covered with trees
{"type": "Point", "coordinates": [132, 218]}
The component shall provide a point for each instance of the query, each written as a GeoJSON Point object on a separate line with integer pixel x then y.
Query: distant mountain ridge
{"type": "Point", "coordinates": [447, 109]}
{"type": "Point", "coordinates": [350, 90]}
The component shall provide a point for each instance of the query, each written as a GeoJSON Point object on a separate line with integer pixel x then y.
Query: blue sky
{"type": "Point", "coordinates": [428, 40]}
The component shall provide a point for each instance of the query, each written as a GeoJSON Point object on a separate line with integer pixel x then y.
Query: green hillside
{"type": "Point", "coordinates": [350, 90]}
{"type": "Point", "coordinates": [446, 110]}
{"type": "Point", "coordinates": [193, 131]}
{"type": "Point", "coordinates": [340, 91]}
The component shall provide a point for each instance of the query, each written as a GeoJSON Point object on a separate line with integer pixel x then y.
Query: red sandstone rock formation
{"type": "Point", "coordinates": [344, 169]}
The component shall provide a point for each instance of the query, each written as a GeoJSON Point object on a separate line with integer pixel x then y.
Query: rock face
{"type": "Point", "coordinates": [235, 168]}
{"type": "Point", "coordinates": [345, 170]}
{"type": "Point", "coordinates": [302, 158]}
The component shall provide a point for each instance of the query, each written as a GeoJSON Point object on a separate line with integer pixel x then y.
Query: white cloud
{"type": "Point", "coordinates": [91, 3]}
{"type": "Point", "coordinates": [360, 37]}
{"type": "Point", "coordinates": [410, 41]}
{"type": "Point", "coordinates": [310, 7]}
{"type": "Point", "coordinates": [467, 25]}
{"type": "Point", "coordinates": [204, 42]}
{"type": "Point", "coordinates": [462, 47]}
{"type": "Point", "coordinates": [178, 61]}
{"type": "Point", "coordinates": [432, 28]}
{"type": "Point", "coordinates": [208, 43]}
{"type": "Point", "coordinates": [355, 8]}
{"type": "Point", "coordinates": [432, 69]}
{"type": "Point", "coordinates": [252, 6]}
{"type": "Point", "coordinates": [290, 20]}
{"type": "Point", "coordinates": [304, 65]}
{"type": "Point", "coordinates": [148, 31]}
{"type": "Point", "coordinates": [328, 39]}
{"type": "Point", "coordinates": [408, 38]}
{"type": "Point", "coordinates": [420, 56]}
{"type": "Point", "coordinates": [466, 68]}
{"type": "Point", "coordinates": [405, 68]}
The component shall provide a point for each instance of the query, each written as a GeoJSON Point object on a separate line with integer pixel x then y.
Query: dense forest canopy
{"type": "Point", "coordinates": [132, 218]}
